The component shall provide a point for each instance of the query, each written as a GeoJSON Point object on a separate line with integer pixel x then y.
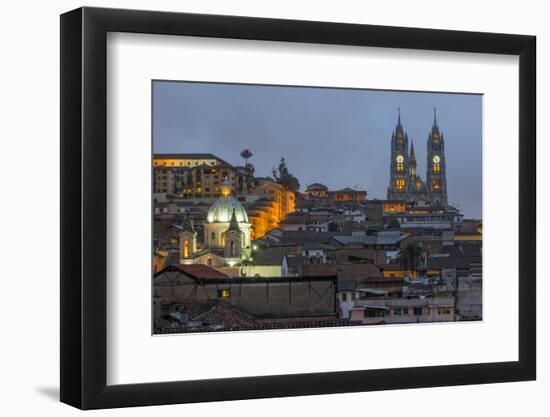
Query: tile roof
{"type": "Point", "coordinates": [269, 256]}
{"type": "Point", "coordinates": [300, 237]}
{"type": "Point", "coordinates": [453, 262]}
{"type": "Point", "coordinates": [200, 271]}
{"type": "Point", "coordinates": [211, 313]}
{"type": "Point", "coordinates": [380, 239]}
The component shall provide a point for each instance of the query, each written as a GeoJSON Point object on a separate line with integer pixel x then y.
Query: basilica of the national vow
{"type": "Point", "coordinates": [405, 183]}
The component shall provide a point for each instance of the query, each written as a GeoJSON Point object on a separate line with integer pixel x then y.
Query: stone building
{"type": "Point", "coordinates": [226, 231]}
{"type": "Point", "coordinates": [405, 182]}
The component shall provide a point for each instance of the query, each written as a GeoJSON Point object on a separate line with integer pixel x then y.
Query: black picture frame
{"type": "Point", "coordinates": [84, 207]}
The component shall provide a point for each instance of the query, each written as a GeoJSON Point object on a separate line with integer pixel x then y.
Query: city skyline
{"type": "Point", "coordinates": [302, 124]}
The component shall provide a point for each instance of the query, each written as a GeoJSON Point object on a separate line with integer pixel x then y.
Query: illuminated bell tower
{"type": "Point", "coordinates": [399, 162]}
{"type": "Point", "coordinates": [233, 239]}
{"type": "Point", "coordinates": [187, 241]}
{"type": "Point", "coordinates": [436, 169]}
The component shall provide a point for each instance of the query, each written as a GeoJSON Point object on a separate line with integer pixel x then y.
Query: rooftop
{"type": "Point", "coordinates": [200, 271]}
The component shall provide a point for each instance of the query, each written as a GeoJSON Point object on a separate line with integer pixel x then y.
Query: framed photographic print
{"type": "Point", "coordinates": [258, 208]}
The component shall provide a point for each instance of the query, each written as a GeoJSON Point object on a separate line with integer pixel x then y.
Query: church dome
{"type": "Point", "coordinates": [222, 210]}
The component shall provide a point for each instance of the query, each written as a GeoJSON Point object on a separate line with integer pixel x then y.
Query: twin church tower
{"type": "Point", "coordinates": [405, 183]}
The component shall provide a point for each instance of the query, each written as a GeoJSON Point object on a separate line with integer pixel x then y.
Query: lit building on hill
{"type": "Point", "coordinates": [272, 204]}
{"type": "Point", "coordinates": [195, 175]}
{"type": "Point", "coordinates": [346, 195]}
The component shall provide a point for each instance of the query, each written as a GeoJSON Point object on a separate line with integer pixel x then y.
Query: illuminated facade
{"type": "Point", "coordinates": [194, 175]}
{"type": "Point", "coordinates": [274, 204]}
{"type": "Point", "coordinates": [398, 206]}
{"type": "Point", "coordinates": [346, 195]}
{"type": "Point", "coordinates": [405, 183]}
{"type": "Point", "coordinates": [317, 190]}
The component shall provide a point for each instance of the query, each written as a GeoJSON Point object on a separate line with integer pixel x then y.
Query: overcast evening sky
{"type": "Point", "coordinates": [338, 137]}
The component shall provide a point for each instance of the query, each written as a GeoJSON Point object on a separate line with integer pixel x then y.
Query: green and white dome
{"type": "Point", "coordinates": [222, 210]}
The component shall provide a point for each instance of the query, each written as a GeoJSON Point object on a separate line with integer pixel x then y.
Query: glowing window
{"type": "Point", "coordinates": [226, 293]}
{"type": "Point", "coordinates": [400, 183]}
{"type": "Point", "coordinates": [437, 168]}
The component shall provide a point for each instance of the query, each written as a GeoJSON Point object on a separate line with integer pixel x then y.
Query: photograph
{"type": "Point", "coordinates": [292, 207]}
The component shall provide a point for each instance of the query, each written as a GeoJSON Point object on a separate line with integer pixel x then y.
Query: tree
{"type": "Point", "coordinates": [246, 155]}
{"type": "Point", "coordinates": [283, 176]}
{"type": "Point", "coordinates": [250, 170]}
{"type": "Point", "coordinates": [410, 256]}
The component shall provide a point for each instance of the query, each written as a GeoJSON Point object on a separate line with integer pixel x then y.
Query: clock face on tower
{"type": "Point", "coordinates": [436, 159]}
{"type": "Point", "coordinates": [399, 159]}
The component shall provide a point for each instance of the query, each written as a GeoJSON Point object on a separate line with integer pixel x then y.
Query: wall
{"type": "Point", "coordinates": [261, 297]}
{"type": "Point", "coordinates": [30, 121]}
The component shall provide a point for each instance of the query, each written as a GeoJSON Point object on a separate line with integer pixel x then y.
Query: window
{"type": "Point", "coordinates": [400, 166]}
{"type": "Point", "coordinates": [344, 296]}
{"type": "Point", "coordinates": [374, 312]}
{"type": "Point", "coordinates": [400, 183]}
{"type": "Point", "coordinates": [437, 168]}
{"type": "Point", "coordinates": [186, 249]}
{"type": "Point", "coordinates": [444, 310]}
{"type": "Point", "coordinates": [417, 311]}
{"type": "Point", "coordinates": [225, 293]}
{"type": "Point", "coordinates": [352, 296]}
{"type": "Point", "coordinates": [397, 311]}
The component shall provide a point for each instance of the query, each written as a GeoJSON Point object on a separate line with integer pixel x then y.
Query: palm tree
{"type": "Point", "coordinates": [246, 155]}
{"type": "Point", "coordinates": [410, 256]}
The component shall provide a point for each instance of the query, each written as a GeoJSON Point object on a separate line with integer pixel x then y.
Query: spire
{"type": "Point", "coordinates": [412, 159]}
{"type": "Point", "coordinates": [435, 117]}
{"type": "Point", "coordinates": [399, 117]}
{"type": "Point", "coordinates": [233, 223]}
{"type": "Point", "coordinates": [187, 224]}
